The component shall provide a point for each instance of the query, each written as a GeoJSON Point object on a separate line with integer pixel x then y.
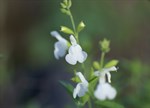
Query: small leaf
{"type": "Point", "coordinates": [80, 26]}
{"type": "Point", "coordinates": [68, 44]}
{"type": "Point", "coordinates": [96, 65]}
{"type": "Point", "coordinates": [65, 11]}
{"type": "Point", "coordinates": [63, 5]}
{"type": "Point", "coordinates": [65, 2]}
{"type": "Point", "coordinates": [66, 30]}
{"type": "Point", "coordinates": [109, 104]}
{"type": "Point", "coordinates": [84, 99]}
{"type": "Point", "coordinates": [69, 3]}
{"type": "Point", "coordinates": [111, 63]}
{"type": "Point", "coordinates": [76, 79]}
{"type": "Point", "coordinates": [67, 86]}
{"type": "Point", "coordinates": [91, 73]}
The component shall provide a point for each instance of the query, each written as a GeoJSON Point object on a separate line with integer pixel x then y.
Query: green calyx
{"type": "Point", "coordinates": [105, 45]}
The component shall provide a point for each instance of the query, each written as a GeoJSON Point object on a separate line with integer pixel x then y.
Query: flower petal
{"type": "Point", "coordinates": [102, 80]}
{"type": "Point", "coordinates": [83, 80]}
{"type": "Point", "coordinates": [73, 40]}
{"type": "Point", "coordinates": [78, 53]}
{"type": "Point", "coordinates": [75, 53]}
{"type": "Point", "coordinates": [82, 57]}
{"type": "Point", "coordinates": [75, 49]}
{"type": "Point", "coordinates": [105, 91]}
{"type": "Point", "coordinates": [101, 75]}
{"type": "Point", "coordinates": [83, 89]}
{"type": "Point", "coordinates": [56, 51]}
{"type": "Point", "coordinates": [80, 90]}
{"type": "Point", "coordinates": [71, 59]}
{"type": "Point", "coordinates": [100, 92]}
{"type": "Point", "coordinates": [110, 91]}
{"type": "Point", "coordinates": [60, 46]}
{"type": "Point", "coordinates": [76, 91]}
{"type": "Point", "coordinates": [60, 49]}
{"type": "Point", "coordinates": [56, 35]}
{"type": "Point", "coordinates": [113, 68]}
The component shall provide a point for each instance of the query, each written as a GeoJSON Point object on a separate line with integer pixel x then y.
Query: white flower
{"type": "Point", "coordinates": [75, 53]}
{"type": "Point", "coordinates": [81, 87]}
{"type": "Point", "coordinates": [105, 91]}
{"type": "Point", "coordinates": [105, 71]}
{"type": "Point", "coordinates": [60, 46]}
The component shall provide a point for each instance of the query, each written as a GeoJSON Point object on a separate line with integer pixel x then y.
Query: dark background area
{"type": "Point", "coordinates": [29, 73]}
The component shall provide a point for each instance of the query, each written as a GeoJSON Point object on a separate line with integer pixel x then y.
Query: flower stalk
{"type": "Point", "coordinates": [73, 25]}
{"type": "Point", "coordinates": [102, 59]}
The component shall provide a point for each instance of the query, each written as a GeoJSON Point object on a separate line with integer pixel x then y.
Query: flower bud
{"type": "Point", "coordinates": [105, 45]}
{"type": "Point", "coordinates": [66, 30]}
{"type": "Point", "coordinates": [80, 26]}
{"type": "Point", "coordinates": [96, 65]}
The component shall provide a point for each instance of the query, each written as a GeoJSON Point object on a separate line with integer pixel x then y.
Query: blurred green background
{"type": "Point", "coordinates": [29, 73]}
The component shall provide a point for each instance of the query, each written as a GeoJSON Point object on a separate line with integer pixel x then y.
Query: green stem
{"type": "Point", "coordinates": [72, 21]}
{"type": "Point", "coordinates": [78, 105]}
{"type": "Point", "coordinates": [77, 38]}
{"type": "Point", "coordinates": [89, 103]}
{"type": "Point", "coordinates": [102, 59]}
{"type": "Point", "coordinates": [73, 25]}
{"type": "Point", "coordinates": [83, 67]}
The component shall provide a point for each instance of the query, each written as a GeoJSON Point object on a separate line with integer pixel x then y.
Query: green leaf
{"type": "Point", "coordinates": [67, 86]}
{"type": "Point", "coordinates": [66, 30]}
{"type": "Point", "coordinates": [63, 5]}
{"type": "Point", "coordinates": [96, 65]}
{"type": "Point", "coordinates": [109, 104]}
{"type": "Point", "coordinates": [80, 26]}
{"type": "Point", "coordinates": [111, 63]}
{"type": "Point", "coordinates": [92, 85]}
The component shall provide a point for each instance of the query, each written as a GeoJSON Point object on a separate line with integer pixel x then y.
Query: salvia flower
{"type": "Point", "coordinates": [75, 53]}
{"type": "Point", "coordinates": [60, 46]}
{"type": "Point", "coordinates": [82, 87]}
{"type": "Point", "coordinates": [104, 90]}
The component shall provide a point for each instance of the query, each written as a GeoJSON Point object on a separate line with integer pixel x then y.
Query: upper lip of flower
{"type": "Point", "coordinates": [60, 45]}
{"type": "Point", "coordinates": [73, 40]}
{"type": "Point", "coordinates": [81, 87]}
{"type": "Point", "coordinates": [103, 72]}
{"type": "Point", "coordinates": [83, 80]}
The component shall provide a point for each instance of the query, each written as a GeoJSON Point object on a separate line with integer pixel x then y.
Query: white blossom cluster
{"type": "Point", "coordinates": [75, 54]}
